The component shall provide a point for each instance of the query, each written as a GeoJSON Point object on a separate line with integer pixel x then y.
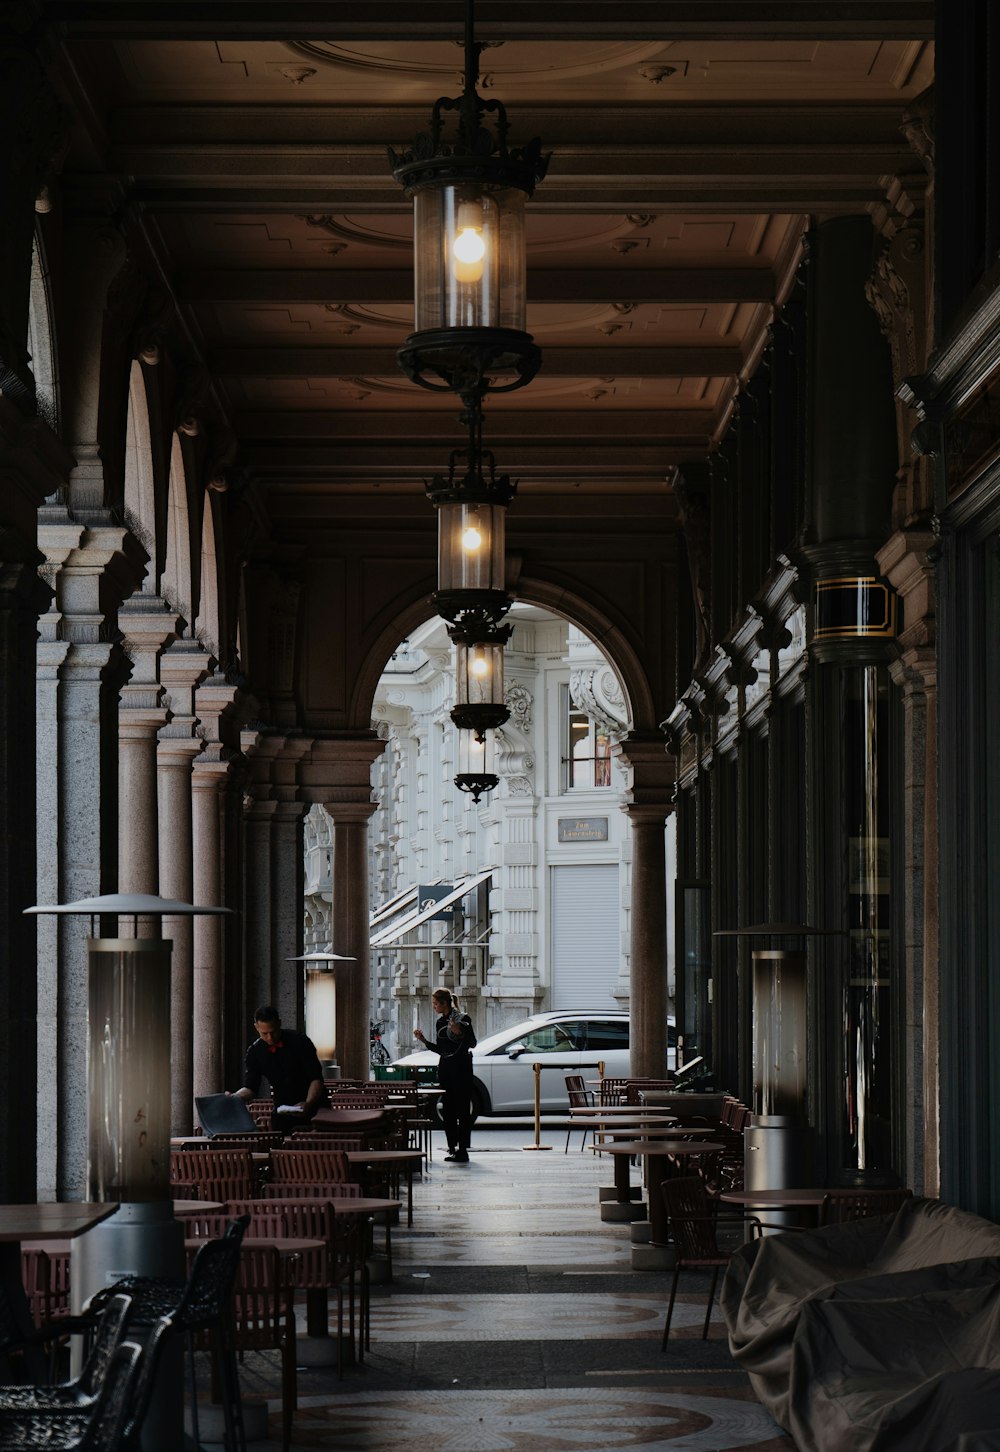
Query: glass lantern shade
{"type": "Point", "coordinates": [321, 1011]}
{"type": "Point", "coordinates": [479, 704]}
{"type": "Point", "coordinates": [476, 765]}
{"type": "Point", "coordinates": [471, 539]}
{"type": "Point", "coordinates": [469, 268]}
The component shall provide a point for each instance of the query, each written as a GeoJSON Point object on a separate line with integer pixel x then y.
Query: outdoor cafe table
{"type": "Point", "coordinates": [368, 1163]}
{"type": "Point", "coordinates": [50, 1221]}
{"type": "Point", "coordinates": [650, 1149]}
{"type": "Point", "coordinates": [803, 1198]}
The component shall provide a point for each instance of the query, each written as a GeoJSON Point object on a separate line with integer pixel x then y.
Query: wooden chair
{"type": "Point", "coordinates": [340, 1267]}
{"type": "Point", "coordinates": [300, 1167]}
{"type": "Point", "coordinates": [612, 1091]}
{"type": "Point", "coordinates": [580, 1097]}
{"type": "Point", "coordinates": [263, 1319]}
{"type": "Point", "coordinates": [220, 1174]}
{"type": "Point", "coordinates": [694, 1229]}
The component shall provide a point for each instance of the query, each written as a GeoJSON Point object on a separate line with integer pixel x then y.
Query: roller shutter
{"type": "Point", "coordinates": [585, 943]}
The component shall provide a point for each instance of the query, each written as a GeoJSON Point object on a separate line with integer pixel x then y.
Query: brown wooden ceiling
{"type": "Point", "coordinates": [692, 145]}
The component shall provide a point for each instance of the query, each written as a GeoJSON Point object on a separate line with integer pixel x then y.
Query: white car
{"type": "Point", "coordinates": [564, 1042]}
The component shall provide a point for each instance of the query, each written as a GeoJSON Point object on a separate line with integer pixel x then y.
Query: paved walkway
{"type": "Point", "coordinates": [515, 1324]}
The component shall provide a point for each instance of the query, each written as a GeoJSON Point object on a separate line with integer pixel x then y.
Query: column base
{"type": "Point", "coordinates": [608, 1192]}
{"type": "Point", "coordinates": [212, 1427]}
{"type": "Point", "coordinates": [614, 1211]}
{"type": "Point", "coordinates": [654, 1257]}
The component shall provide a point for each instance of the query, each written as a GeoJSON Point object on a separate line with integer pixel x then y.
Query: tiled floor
{"type": "Point", "coordinates": [516, 1324]}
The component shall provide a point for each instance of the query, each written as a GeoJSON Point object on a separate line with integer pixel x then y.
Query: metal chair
{"type": "Point", "coordinates": [201, 1304]}
{"type": "Point", "coordinates": [112, 1423]}
{"type": "Point", "coordinates": [580, 1097]}
{"type": "Point", "coordinates": [694, 1229]}
{"type": "Point", "coordinates": [80, 1393]}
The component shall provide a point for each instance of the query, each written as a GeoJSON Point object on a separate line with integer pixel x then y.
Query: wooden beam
{"type": "Point", "coordinates": [496, 19]}
{"type": "Point", "coordinates": [621, 361]}
{"type": "Point", "coordinates": [377, 285]}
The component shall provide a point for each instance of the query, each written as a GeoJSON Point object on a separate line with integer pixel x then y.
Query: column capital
{"type": "Point", "coordinates": [183, 665]}
{"type": "Point", "coordinates": [337, 768]}
{"type": "Point", "coordinates": [650, 770]}
{"type": "Point", "coordinates": [908, 562]}
{"type": "Point", "coordinates": [177, 751]}
{"type": "Point", "coordinates": [91, 567]}
{"type": "Point", "coordinates": [342, 813]}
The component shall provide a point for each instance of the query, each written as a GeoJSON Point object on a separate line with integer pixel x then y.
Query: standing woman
{"type": "Point", "coordinates": [454, 1040]}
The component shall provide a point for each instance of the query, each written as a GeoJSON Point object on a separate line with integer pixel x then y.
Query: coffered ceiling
{"type": "Point", "coordinates": [692, 146]}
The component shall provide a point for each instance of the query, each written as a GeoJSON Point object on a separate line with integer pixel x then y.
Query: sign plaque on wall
{"type": "Point", "coordinates": [583, 829]}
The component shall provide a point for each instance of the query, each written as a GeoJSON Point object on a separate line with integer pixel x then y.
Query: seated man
{"type": "Point", "coordinates": [290, 1064]}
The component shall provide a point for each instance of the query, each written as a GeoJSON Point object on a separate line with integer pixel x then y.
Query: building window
{"type": "Point", "coordinates": [586, 751]}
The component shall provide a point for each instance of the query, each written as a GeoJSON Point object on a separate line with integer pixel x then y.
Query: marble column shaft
{"type": "Point", "coordinates": [648, 955]}
{"type": "Point", "coordinates": [349, 924]}
{"type": "Point", "coordinates": [21, 597]}
{"type": "Point", "coordinates": [207, 783]}
{"type": "Point", "coordinates": [173, 766]}
{"type": "Point", "coordinates": [80, 673]}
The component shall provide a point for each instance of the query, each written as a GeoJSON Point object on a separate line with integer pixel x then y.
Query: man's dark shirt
{"type": "Point", "coordinates": [289, 1069]}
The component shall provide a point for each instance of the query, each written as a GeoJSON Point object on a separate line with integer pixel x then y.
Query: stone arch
{"type": "Point", "coordinates": [207, 623]}
{"type": "Point", "coordinates": [140, 476]}
{"type": "Point", "coordinates": [574, 608]}
{"type": "Point", "coordinates": [41, 337]}
{"type": "Point", "coordinates": [177, 573]}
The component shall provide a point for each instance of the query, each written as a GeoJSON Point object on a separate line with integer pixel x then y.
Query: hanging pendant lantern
{"type": "Point", "coordinates": [476, 774]}
{"type": "Point", "coordinates": [469, 191]}
{"type": "Point", "coordinates": [479, 703]}
{"type": "Point", "coordinates": [471, 501]}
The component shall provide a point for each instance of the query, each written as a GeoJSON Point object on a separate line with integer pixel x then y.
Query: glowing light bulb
{"type": "Point", "coordinates": [479, 665]}
{"type": "Point", "coordinates": [469, 246]}
{"type": "Point", "coordinates": [471, 538]}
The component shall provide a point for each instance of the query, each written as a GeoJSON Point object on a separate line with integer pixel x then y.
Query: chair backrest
{"type": "Point", "coordinates": [262, 1140]}
{"type": "Point", "coordinates": [210, 1283]}
{"type": "Point", "coordinates": [227, 1173]}
{"type": "Point", "coordinates": [612, 1091]}
{"type": "Point", "coordinates": [691, 1222]}
{"type": "Point", "coordinates": [107, 1339]}
{"type": "Point", "coordinates": [342, 1190]}
{"type": "Point", "coordinates": [35, 1279]}
{"type": "Point", "coordinates": [840, 1206]}
{"type": "Point", "coordinates": [294, 1166]}
{"type": "Point", "coordinates": [319, 1140]}
{"type": "Point", "coordinates": [259, 1317]}
{"type": "Point", "coordinates": [108, 1427]}
{"type": "Point", "coordinates": [634, 1088]}
{"type": "Point", "coordinates": [576, 1089]}
{"type": "Point", "coordinates": [145, 1382]}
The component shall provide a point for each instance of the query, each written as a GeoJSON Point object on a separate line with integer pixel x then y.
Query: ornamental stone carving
{"type": "Point", "coordinates": [518, 700]}
{"type": "Point", "coordinates": [598, 692]}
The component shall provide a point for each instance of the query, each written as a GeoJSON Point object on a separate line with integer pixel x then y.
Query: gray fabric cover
{"type": "Point", "coordinates": [802, 1308]}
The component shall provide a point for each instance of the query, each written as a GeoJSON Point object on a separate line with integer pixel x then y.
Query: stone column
{"type": "Point", "coordinates": [211, 771]}
{"type": "Point", "coordinates": [349, 919]}
{"type": "Point", "coordinates": [907, 561]}
{"type": "Point", "coordinates": [147, 627]}
{"type": "Point", "coordinates": [91, 567]}
{"type": "Point", "coordinates": [181, 668]}
{"type": "Point", "coordinates": [33, 464]}
{"type": "Point", "coordinates": [275, 873]}
{"type": "Point", "coordinates": [22, 597]}
{"type": "Point", "coordinates": [647, 808]}
{"type": "Point", "coordinates": [336, 772]}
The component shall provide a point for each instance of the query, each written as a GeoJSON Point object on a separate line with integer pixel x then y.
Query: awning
{"type": "Point", "coordinates": [414, 919]}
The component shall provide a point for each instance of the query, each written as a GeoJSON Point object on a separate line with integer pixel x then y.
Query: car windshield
{"type": "Point", "coordinates": [551, 1038]}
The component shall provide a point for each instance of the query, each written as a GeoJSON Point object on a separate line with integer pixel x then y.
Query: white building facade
{"type": "Point", "coordinates": [520, 903]}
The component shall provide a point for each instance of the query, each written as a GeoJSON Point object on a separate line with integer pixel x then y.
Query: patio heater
{"type": "Point", "coordinates": [321, 1005]}
{"type": "Point", "coordinates": [128, 1120]}
{"type": "Point", "coordinates": [777, 1141]}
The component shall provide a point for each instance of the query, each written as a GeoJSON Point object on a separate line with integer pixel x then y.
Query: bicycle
{"type": "Point", "coordinates": [378, 1054]}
